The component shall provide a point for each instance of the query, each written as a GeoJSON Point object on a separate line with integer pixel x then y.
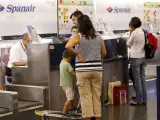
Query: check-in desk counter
{"type": "Point", "coordinates": [115, 64]}
{"type": "Point", "coordinates": [35, 75]}
{"type": "Point", "coordinates": [43, 68]}
{"type": "Point", "coordinates": [31, 88]}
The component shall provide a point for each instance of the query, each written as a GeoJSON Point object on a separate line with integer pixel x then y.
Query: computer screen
{"type": "Point", "coordinates": [33, 34]}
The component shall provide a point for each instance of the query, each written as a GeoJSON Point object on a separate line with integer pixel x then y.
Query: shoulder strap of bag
{"type": "Point", "coordinates": [145, 36]}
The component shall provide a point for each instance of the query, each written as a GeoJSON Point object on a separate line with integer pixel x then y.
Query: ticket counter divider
{"type": "Point", "coordinates": [43, 70]}
{"type": "Point", "coordinates": [20, 100]}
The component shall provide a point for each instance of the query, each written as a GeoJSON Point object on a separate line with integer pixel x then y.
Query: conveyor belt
{"type": "Point", "coordinates": [3, 111]}
{"type": "Point", "coordinates": [27, 104]}
{"type": "Point", "coordinates": [58, 114]}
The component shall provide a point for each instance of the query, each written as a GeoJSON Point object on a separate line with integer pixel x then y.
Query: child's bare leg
{"type": "Point", "coordinates": [67, 106]}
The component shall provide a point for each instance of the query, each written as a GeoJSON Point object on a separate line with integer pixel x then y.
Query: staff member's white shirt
{"type": "Point", "coordinates": [18, 53]}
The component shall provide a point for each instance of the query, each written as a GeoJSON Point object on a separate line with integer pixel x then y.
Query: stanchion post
{"type": "Point", "coordinates": [158, 92]}
{"type": "Point", "coordinates": [102, 97]}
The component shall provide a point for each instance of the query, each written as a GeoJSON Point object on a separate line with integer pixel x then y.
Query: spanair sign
{"type": "Point", "coordinates": [17, 8]}
{"type": "Point", "coordinates": [118, 10]}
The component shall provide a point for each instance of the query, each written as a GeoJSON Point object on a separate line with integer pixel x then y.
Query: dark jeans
{"type": "Point", "coordinates": [138, 69]}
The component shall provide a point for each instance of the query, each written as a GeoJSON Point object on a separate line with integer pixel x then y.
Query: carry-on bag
{"type": "Point", "coordinates": [111, 85]}
{"type": "Point", "coordinates": [120, 94]}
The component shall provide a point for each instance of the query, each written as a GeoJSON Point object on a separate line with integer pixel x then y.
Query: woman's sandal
{"type": "Point", "coordinates": [136, 104]}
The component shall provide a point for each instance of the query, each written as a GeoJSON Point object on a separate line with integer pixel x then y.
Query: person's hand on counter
{"type": "Point", "coordinates": [64, 39]}
{"type": "Point", "coordinates": [19, 63]}
{"type": "Point", "coordinates": [1, 87]}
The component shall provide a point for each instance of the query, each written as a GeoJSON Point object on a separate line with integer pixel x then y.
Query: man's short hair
{"type": "Point", "coordinates": [68, 54]}
{"type": "Point", "coordinates": [24, 36]}
{"type": "Point", "coordinates": [76, 14]}
{"type": "Point", "coordinates": [74, 27]}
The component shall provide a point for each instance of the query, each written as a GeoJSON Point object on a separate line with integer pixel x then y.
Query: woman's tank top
{"type": "Point", "coordinates": [90, 49]}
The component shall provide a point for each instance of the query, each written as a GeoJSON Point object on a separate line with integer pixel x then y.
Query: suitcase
{"type": "Point", "coordinates": [120, 94]}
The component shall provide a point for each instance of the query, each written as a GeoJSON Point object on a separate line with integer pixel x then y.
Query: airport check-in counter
{"type": "Point", "coordinates": [115, 64]}
{"type": "Point", "coordinates": [30, 95]}
{"type": "Point", "coordinates": [43, 69]}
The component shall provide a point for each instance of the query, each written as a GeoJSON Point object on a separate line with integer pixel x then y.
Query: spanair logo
{"type": "Point", "coordinates": [1, 8]}
{"type": "Point", "coordinates": [118, 10]}
{"type": "Point", "coordinates": [13, 8]}
{"type": "Point", "coordinates": [109, 9]}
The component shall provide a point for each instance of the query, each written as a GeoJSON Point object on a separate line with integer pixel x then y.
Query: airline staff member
{"type": "Point", "coordinates": [74, 16]}
{"type": "Point", "coordinates": [18, 53]}
{"type": "Point", "coordinates": [74, 31]}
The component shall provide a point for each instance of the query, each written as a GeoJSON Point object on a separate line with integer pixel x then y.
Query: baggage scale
{"type": "Point", "coordinates": [58, 114]}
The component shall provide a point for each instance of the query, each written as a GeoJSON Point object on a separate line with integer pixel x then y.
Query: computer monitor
{"type": "Point", "coordinates": [33, 34]}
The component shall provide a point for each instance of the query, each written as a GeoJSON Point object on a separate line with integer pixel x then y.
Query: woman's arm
{"type": "Point", "coordinates": [130, 40]}
{"type": "Point", "coordinates": [73, 42]}
{"type": "Point", "coordinates": [64, 40]}
{"type": "Point", "coordinates": [103, 49]}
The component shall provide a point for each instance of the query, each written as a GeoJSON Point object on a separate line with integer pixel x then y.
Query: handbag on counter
{"type": "Point", "coordinates": [111, 85]}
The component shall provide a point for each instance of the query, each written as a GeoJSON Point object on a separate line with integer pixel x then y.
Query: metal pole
{"type": "Point", "coordinates": [102, 96]}
{"type": "Point", "coordinates": [2, 75]}
{"type": "Point", "coordinates": [158, 92]}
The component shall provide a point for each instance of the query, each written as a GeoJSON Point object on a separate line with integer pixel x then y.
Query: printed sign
{"type": "Point", "coordinates": [117, 13]}
{"type": "Point", "coordinates": [16, 15]}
